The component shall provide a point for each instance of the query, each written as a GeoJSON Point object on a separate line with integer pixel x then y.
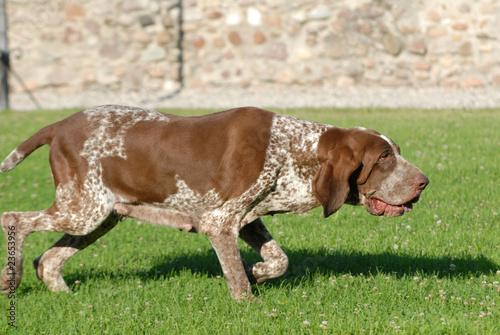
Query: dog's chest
{"type": "Point", "coordinates": [293, 148]}
{"type": "Point", "coordinates": [292, 194]}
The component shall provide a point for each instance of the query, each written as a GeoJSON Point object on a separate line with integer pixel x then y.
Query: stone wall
{"type": "Point", "coordinates": [142, 47]}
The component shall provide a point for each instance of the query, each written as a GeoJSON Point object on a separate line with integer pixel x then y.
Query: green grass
{"type": "Point", "coordinates": [352, 273]}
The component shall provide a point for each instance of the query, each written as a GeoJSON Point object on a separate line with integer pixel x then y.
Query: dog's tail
{"type": "Point", "coordinates": [42, 137]}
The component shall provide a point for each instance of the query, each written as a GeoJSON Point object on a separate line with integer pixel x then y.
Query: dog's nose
{"type": "Point", "coordinates": [421, 182]}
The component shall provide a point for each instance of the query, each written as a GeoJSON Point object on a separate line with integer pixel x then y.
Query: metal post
{"type": "Point", "coordinates": [4, 64]}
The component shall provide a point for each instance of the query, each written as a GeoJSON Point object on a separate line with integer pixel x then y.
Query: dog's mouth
{"type": "Point", "coordinates": [380, 207]}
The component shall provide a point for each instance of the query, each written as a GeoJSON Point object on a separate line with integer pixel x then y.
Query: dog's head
{"type": "Point", "coordinates": [362, 167]}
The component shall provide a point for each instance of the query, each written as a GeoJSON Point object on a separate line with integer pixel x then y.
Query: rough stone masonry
{"type": "Point", "coordinates": [77, 53]}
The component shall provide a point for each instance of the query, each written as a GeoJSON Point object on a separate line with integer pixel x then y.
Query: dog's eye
{"type": "Point", "coordinates": [384, 157]}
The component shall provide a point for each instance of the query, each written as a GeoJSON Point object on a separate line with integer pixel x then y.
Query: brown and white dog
{"type": "Point", "coordinates": [215, 174]}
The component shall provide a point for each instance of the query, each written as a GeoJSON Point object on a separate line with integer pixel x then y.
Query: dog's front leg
{"type": "Point", "coordinates": [226, 246]}
{"type": "Point", "coordinates": [275, 259]}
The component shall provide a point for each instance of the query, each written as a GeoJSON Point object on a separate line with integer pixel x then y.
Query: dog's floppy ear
{"type": "Point", "coordinates": [331, 183]}
{"type": "Point", "coordinates": [368, 161]}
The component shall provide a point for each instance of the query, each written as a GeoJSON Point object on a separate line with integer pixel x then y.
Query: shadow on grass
{"type": "Point", "coordinates": [305, 265]}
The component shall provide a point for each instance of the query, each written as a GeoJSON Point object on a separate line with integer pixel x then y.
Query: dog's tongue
{"type": "Point", "coordinates": [380, 207]}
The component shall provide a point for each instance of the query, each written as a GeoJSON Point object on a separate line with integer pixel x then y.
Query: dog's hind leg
{"type": "Point", "coordinates": [19, 225]}
{"type": "Point", "coordinates": [160, 216]}
{"type": "Point", "coordinates": [49, 265]}
{"type": "Point", "coordinates": [65, 215]}
{"type": "Point", "coordinates": [15, 235]}
{"type": "Point", "coordinates": [275, 260]}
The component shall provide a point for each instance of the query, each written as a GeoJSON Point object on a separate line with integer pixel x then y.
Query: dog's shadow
{"type": "Point", "coordinates": [306, 265]}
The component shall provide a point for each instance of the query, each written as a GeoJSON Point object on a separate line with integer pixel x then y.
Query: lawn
{"type": "Point", "coordinates": [435, 270]}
